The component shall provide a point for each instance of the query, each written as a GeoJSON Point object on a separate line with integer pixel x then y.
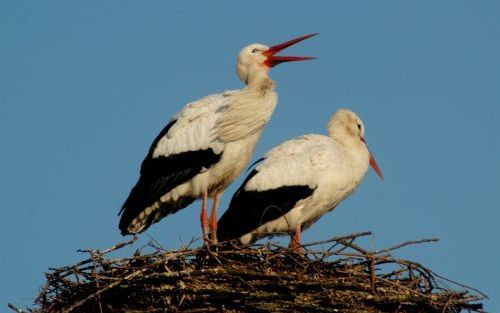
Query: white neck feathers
{"type": "Point", "coordinates": [248, 111]}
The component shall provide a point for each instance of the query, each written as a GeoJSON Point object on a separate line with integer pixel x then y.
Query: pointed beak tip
{"type": "Point", "coordinates": [309, 35]}
{"type": "Point", "coordinates": [279, 47]}
{"type": "Point", "coordinates": [273, 59]}
{"type": "Point", "coordinates": [372, 161]}
{"type": "Point", "coordinates": [377, 170]}
{"type": "Point", "coordinates": [375, 167]}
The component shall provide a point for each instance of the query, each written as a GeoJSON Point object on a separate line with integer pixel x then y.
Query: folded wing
{"type": "Point", "coordinates": [287, 175]}
{"type": "Point", "coordinates": [186, 147]}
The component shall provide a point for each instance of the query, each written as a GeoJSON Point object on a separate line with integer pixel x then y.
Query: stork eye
{"type": "Point", "coordinates": [359, 126]}
{"type": "Point", "coordinates": [255, 50]}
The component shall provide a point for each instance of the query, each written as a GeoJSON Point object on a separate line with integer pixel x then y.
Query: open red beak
{"type": "Point", "coordinates": [273, 60]}
{"type": "Point", "coordinates": [373, 163]}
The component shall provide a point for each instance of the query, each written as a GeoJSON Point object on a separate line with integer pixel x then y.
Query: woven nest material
{"type": "Point", "coordinates": [343, 277]}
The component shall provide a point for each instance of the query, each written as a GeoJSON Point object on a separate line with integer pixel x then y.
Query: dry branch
{"type": "Point", "coordinates": [340, 277]}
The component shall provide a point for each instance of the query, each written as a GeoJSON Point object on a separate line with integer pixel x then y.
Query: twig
{"type": "Point", "coordinates": [338, 238]}
{"type": "Point", "coordinates": [102, 252]}
{"type": "Point", "coordinates": [406, 243]}
{"type": "Point", "coordinates": [485, 296]}
{"type": "Point", "coordinates": [12, 307]}
{"type": "Point", "coordinates": [372, 273]}
{"type": "Point", "coordinates": [120, 245]}
{"type": "Point", "coordinates": [354, 246]}
{"type": "Point", "coordinates": [96, 278]}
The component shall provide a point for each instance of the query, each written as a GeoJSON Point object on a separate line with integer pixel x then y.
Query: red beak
{"type": "Point", "coordinates": [373, 163]}
{"type": "Point", "coordinates": [273, 60]}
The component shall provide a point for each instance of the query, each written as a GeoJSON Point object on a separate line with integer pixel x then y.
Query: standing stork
{"type": "Point", "coordinates": [206, 145]}
{"type": "Point", "coordinates": [299, 181]}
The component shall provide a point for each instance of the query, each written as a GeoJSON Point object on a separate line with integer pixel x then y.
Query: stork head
{"type": "Point", "coordinates": [349, 130]}
{"type": "Point", "coordinates": [256, 59]}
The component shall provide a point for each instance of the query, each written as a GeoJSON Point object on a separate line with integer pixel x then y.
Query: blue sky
{"type": "Point", "coordinates": [86, 86]}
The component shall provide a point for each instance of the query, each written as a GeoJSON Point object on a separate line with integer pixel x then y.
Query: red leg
{"type": "Point", "coordinates": [295, 240]}
{"type": "Point", "coordinates": [203, 217]}
{"type": "Point", "coordinates": [213, 217]}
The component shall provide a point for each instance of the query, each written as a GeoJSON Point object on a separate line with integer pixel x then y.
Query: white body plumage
{"type": "Point", "coordinates": [208, 124]}
{"type": "Point", "coordinates": [301, 180]}
{"type": "Point", "coordinates": [313, 160]}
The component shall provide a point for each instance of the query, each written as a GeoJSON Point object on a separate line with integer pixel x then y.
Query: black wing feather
{"type": "Point", "coordinates": [250, 209]}
{"type": "Point", "coordinates": [160, 175]}
{"type": "Point", "coordinates": [253, 164]}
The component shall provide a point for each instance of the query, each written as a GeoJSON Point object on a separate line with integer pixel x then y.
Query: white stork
{"type": "Point", "coordinates": [206, 145]}
{"type": "Point", "coordinates": [299, 181]}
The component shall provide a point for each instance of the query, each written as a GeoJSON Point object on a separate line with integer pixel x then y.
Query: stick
{"type": "Point", "coordinates": [11, 306]}
{"type": "Point", "coordinates": [338, 238]}
{"type": "Point", "coordinates": [406, 243]}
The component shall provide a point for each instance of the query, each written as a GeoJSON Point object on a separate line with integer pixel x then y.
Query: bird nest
{"type": "Point", "coordinates": [342, 277]}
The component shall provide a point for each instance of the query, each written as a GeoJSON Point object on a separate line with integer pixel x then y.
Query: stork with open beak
{"type": "Point", "coordinates": [299, 181]}
{"type": "Point", "coordinates": [206, 145]}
